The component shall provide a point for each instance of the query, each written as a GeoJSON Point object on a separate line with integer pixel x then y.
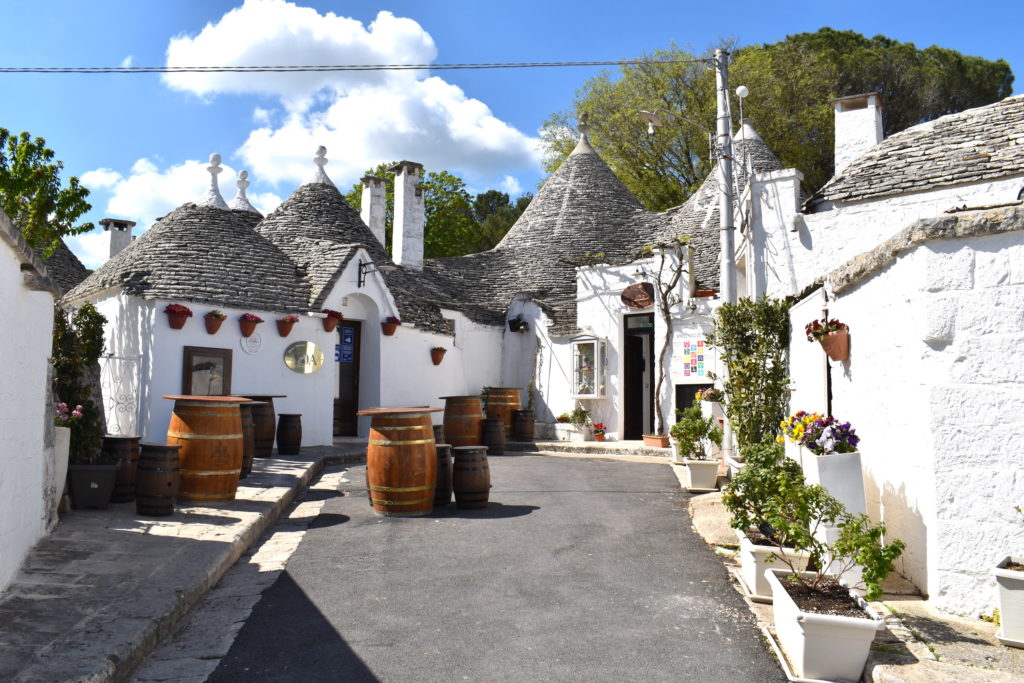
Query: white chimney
{"type": "Point", "coordinates": [119, 234]}
{"type": "Point", "coordinates": [373, 205]}
{"type": "Point", "coordinates": [858, 126]}
{"type": "Point", "coordinates": [407, 240]}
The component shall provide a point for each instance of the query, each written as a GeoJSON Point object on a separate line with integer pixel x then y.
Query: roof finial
{"type": "Point", "coordinates": [583, 146]}
{"type": "Point", "coordinates": [320, 176]}
{"type": "Point", "coordinates": [241, 202]}
{"type": "Point", "coordinates": [212, 197]}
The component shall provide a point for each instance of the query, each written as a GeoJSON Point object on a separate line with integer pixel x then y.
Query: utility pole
{"type": "Point", "coordinates": [727, 277]}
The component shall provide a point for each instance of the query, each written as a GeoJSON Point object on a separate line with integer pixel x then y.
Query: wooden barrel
{"type": "Point", "coordinates": [463, 420]}
{"type": "Point", "coordinates": [522, 425]}
{"type": "Point", "coordinates": [264, 425]}
{"type": "Point", "coordinates": [494, 436]}
{"type": "Point", "coordinates": [248, 437]}
{"type": "Point", "coordinates": [501, 402]}
{"type": "Point", "coordinates": [209, 431]}
{"type": "Point", "coordinates": [126, 450]}
{"type": "Point", "coordinates": [471, 478]}
{"type": "Point", "coordinates": [401, 464]}
{"type": "Point", "coordinates": [157, 480]}
{"type": "Point", "coordinates": [289, 433]}
{"type": "Point", "coordinates": [443, 488]}
{"type": "Point", "coordinates": [439, 434]}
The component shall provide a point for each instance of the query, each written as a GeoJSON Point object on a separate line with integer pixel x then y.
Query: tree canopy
{"type": "Point", "coordinates": [790, 84]}
{"type": "Point", "coordinates": [456, 222]}
{"type": "Point", "coordinates": [31, 194]}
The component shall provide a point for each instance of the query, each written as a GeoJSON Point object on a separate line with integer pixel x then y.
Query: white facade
{"type": "Point", "coordinates": [28, 492]}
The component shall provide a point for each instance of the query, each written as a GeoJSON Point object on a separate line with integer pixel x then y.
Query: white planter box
{"type": "Point", "coordinates": [703, 475]}
{"type": "Point", "coordinates": [568, 432]}
{"type": "Point", "coordinates": [754, 562]}
{"type": "Point", "coordinates": [1011, 603]}
{"type": "Point", "coordinates": [840, 474]}
{"type": "Point", "coordinates": [821, 646]}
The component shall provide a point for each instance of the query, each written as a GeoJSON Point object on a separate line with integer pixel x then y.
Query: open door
{"type": "Point", "coordinates": [638, 365]}
{"type": "Point", "coordinates": [347, 403]}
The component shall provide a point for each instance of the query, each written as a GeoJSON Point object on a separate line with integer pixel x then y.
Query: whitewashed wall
{"type": "Point", "coordinates": [26, 435]}
{"type": "Point", "coordinates": [934, 388]}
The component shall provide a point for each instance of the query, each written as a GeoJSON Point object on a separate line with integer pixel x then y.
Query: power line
{"type": "Point", "coordinates": [324, 68]}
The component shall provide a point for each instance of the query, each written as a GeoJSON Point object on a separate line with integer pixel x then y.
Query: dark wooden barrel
{"type": "Point", "coordinates": [401, 463]}
{"type": "Point", "coordinates": [126, 450]}
{"type": "Point", "coordinates": [522, 425]}
{"type": "Point", "coordinates": [248, 437]}
{"type": "Point", "coordinates": [264, 425]}
{"type": "Point", "coordinates": [157, 480]}
{"type": "Point", "coordinates": [289, 433]}
{"type": "Point", "coordinates": [471, 477]}
{"type": "Point", "coordinates": [443, 488]}
{"type": "Point", "coordinates": [463, 420]}
{"type": "Point", "coordinates": [494, 436]}
{"type": "Point", "coordinates": [501, 403]}
{"type": "Point", "coordinates": [439, 434]}
{"type": "Point", "coordinates": [209, 431]}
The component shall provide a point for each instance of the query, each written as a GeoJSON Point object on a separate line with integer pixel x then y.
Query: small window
{"type": "Point", "coordinates": [589, 365]}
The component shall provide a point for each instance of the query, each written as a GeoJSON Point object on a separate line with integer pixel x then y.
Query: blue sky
{"type": "Point", "coordinates": [141, 142]}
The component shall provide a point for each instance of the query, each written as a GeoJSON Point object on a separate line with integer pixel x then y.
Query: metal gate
{"type": "Point", "coordinates": [119, 380]}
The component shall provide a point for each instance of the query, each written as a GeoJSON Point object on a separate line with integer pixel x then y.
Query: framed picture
{"type": "Point", "coordinates": [206, 372]}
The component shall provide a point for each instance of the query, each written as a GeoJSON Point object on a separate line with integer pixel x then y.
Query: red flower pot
{"type": "Point", "coordinates": [836, 345]}
{"type": "Point", "coordinates": [329, 323]}
{"type": "Point", "coordinates": [656, 440]}
{"type": "Point", "coordinates": [212, 324]}
{"type": "Point", "coordinates": [177, 320]}
{"type": "Point", "coordinates": [598, 437]}
{"type": "Point", "coordinates": [389, 329]}
{"type": "Point", "coordinates": [247, 327]}
{"type": "Point", "coordinates": [437, 355]}
{"type": "Point", "coordinates": [284, 328]}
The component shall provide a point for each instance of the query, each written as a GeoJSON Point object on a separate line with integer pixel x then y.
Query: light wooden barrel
{"type": "Point", "coordinates": [471, 477]}
{"type": "Point", "coordinates": [210, 435]}
{"type": "Point", "coordinates": [126, 450]}
{"type": "Point", "coordinates": [501, 403]}
{"type": "Point", "coordinates": [401, 464]}
{"type": "Point", "coordinates": [463, 420]}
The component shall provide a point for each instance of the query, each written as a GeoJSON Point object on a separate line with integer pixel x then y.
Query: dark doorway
{"type": "Point", "coordinates": [347, 355]}
{"type": "Point", "coordinates": [638, 365]}
{"type": "Point", "coordinates": [686, 394]}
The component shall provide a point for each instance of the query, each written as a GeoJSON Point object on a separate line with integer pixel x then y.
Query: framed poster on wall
{"type": "Point", "coordinates": [206, 372]}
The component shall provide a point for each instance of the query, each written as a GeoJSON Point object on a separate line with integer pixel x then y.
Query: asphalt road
{"type": "Point", "coordinates": [580, 569]}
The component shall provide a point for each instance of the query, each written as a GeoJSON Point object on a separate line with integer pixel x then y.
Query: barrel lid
{"type": "Point", "coordinates": [154, 444]}
{"type": "Point", "coordinates": [398, 410]}
{"type": "Point", "coordinates": [504, 388]}
{"type": "Point", "coordinates": [211, 399]}
{"type": "Point", "coordinates": [480, 396]}
{"type": "Point", "coordinates": [256, 397]}
{"type": "Point", "coordinates": [121, 436]}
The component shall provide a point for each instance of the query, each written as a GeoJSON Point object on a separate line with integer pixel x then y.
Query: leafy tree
{"type": "Point", "coordinates": [790, 84]}
{"type": "Point", "coordinates": [32, 196]}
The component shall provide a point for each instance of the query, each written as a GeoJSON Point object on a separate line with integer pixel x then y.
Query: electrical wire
{"type": "Point", "coordinates": [325, 68]}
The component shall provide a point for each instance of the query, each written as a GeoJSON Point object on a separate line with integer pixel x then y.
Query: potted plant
{"type": "Point", "coordinates": [213, 320]}
{"type": "Point", "coordinates": [389, 325]}
{"type": "Point", "coordinates": [571, 426]}
{"type": "Point", "coordinates": [247, 323]}
{"type": "Point", "coordinates": [834, 337]}
{"type": "Point", "coordinates": [285, 324]}
{"type": "Point", "coordinates": [692, 432]}
{"type": "Point", "coordinates": [63, 419]}
{"type": "Point", "coordinates": [1009, 574]}
{"type": "Point", "coordinates": [437, 354]}
{"type": "Point", "coordinates": [332, 319]}
{"type": "Point", "coordinates": [177, 315]}
{"type": "Point", "coordinates": [834, 461]}
{"type": "Point", "coordinates": [599, 431]}
{"type": "Point", "coordinates": [656, 440]}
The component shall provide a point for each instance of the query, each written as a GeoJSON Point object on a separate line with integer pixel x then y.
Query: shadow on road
{"type": "Point", "coordinates": [492, 511]}
{"type": "Point", "coordinates": [326, 519]}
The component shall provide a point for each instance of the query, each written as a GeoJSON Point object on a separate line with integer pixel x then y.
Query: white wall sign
{"type": "Point", "coordinates": [251, 344]}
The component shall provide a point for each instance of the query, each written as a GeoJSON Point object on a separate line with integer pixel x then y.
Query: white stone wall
{"type": "Point", "coordinates": [26, 436]}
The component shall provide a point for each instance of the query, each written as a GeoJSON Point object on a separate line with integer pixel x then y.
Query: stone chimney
{"type": "Point", "coordinates": [373, 205]}
{"type": "Point", "coordinates": [407, 240]}
{"type": "Point", "coordinates": [119, 234]}
{"type": "Point", "coordinates": [858, 126]}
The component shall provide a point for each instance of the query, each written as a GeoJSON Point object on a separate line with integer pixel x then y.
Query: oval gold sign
{"type": "Point", "coordinates": [303, 357]}
{"type": "Point", "coordinates": [639, 295]}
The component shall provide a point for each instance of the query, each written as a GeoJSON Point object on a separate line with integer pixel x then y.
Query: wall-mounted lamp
{"type": "Point", "coordinates": [366, 267]}
{"type": "Point", "coordinates": [517, 324]}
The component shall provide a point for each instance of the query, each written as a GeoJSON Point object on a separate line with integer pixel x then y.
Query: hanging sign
{"type": "Point", "coordinates": [638, 296]}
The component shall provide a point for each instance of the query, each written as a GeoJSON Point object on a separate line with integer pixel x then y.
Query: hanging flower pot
{"type": "Point", "coordinates": [437, 354]}
{"type": "Point", "coordinates": [332, 319]}
{"type": "Point", "coordinates": [837, 345]}
{"type": "Point", "coordinates": [285, 324]}
{"type": "Point", "coordinates": [247, 323]}
{"type": "Point", "coordinates": [213, 321]}
{"type": "Point", "coordinates": [177, 315]}
{"type": "Point", "coordinates": [389, 326]}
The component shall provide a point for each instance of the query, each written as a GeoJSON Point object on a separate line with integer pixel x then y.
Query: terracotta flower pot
{"type": "Point", "coordinates": [212, 324]}
{"type": "Point", "coordinates": [598, 437]}
{"type": "Point", "coordinates": [656, 440]}
{"type": "Point", "coordinates": [836, 345]}
{"type": "Point", "coordinates": [437, 356]}
{"type": "Point", "coordinates": [284, 328]}
{"type": "Point", "coordinates": [329, 323]}
{"type": "Point", "coordinates": [247, 327]}
{"type": "Point", "coordinates": [177, 320]}
{"type": "Point", "coordinates": [388, 328]}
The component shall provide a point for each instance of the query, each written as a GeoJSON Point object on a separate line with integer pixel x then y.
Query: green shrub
{"type": "Point", "coordinates": [77, 345]}
{"type": "Point", "coordinates": [692, 430]}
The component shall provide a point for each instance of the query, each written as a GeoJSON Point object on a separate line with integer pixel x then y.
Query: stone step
{"type": "Point", "coordinates": [590, 447]}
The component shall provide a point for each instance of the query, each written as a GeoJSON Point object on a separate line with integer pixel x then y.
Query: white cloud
{"type": "Point", "coordinates": [261, 116]}
{"type": "Point", "coordinates": [511, 186]}
{"type": "Point", "coordinates": [92, 248]}
{"type": "Point", "coordinates": [127, 61]}
{"type": "Point", "coordinates": [100, 178]}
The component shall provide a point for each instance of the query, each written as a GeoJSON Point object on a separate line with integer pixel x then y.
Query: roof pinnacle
{"type": "Point", "coordinates": [583, 146]}
{"type": "Point", "coordinates": [212, 197]}
{"type": "Point", "coordinates": [241, 202]}
{"type": "Point", "coordinates": [319, 175]}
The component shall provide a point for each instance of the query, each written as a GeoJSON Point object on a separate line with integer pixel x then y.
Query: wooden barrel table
{"type": "Point", "coordinates": [264, 423]}
{"type": "Point", "coordinates": [471, 477]}
{"type": "Point", "coordinates": [401, 461]}
{"type": "Point", "coordinates": [463, 420]}
{"type": "Point", "coordinates": [501, 403]}
{"type": "Point", "coordinates": [209, 431]}
{"type": "Point", "coordinates": [126, 450]}
{"type": "Point", "coordinates": [157, 480]}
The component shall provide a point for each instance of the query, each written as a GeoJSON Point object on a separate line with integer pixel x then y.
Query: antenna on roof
{"type": "Point", "coordinates": [319, 175]}
{"type": "Point", "coordinates": [212, 197]}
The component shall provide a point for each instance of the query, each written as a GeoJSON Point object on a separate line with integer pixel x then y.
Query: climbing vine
{"type": "Point", "coordinates": [77, 345]}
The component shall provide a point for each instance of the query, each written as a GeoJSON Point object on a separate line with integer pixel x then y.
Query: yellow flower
{"type": "Point", "coordinates": [780, 439]}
